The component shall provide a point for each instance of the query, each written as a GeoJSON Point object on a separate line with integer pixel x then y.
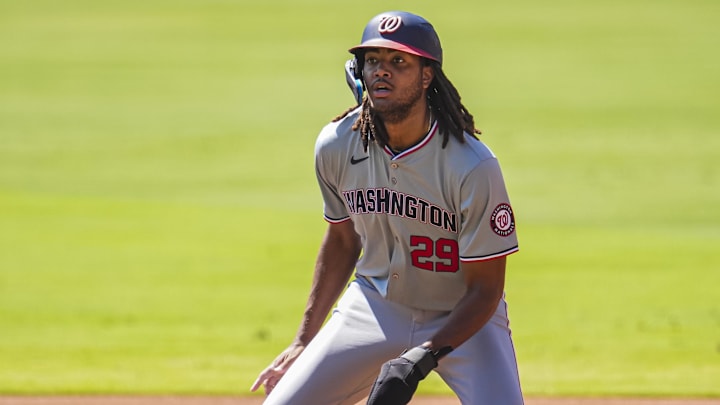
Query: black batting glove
{"type": "Point", "coordinates": [399, 377]}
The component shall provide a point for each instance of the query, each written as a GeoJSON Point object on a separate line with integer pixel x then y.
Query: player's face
{"type": "Point", "coordinates": [396, 82]}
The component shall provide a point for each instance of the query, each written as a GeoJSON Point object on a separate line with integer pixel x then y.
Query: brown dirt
{"type": "Point", "coordinates": [160, 400]}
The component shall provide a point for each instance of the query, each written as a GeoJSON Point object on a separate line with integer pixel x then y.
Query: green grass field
{"type": "Point", "coordinates": [159, 216]}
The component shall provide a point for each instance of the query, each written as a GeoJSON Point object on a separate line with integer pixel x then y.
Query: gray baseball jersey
{"type": "Point", "coordinates": [419, 213]}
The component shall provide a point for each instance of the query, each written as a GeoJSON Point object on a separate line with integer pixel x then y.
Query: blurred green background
{"type": "Point", "coordinates": [159, 216]}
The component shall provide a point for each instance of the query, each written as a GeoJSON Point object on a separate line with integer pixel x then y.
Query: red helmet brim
{"type": "Point", "coordinates": [386, 43]}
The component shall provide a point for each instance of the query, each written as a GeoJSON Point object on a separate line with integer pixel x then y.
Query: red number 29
{"type": "Point", "coordinates": [445, 250]}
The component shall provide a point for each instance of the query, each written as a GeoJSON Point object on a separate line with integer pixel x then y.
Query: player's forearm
{"type": "Point", "coordinates": [472, 313]}
{"type": "Point", "coordinates": [485, 286]}
{"type": "Point", "coordinates": [335, 263]}
{"type": "Point", "coordinates": [328, 283]}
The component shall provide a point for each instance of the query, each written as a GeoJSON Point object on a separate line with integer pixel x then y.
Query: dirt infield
{"type": "Point", "coordinates": [157, 400]}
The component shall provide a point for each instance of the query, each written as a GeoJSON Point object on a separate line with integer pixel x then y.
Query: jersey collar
{"type": "Point", "coordinates": [417, 147]}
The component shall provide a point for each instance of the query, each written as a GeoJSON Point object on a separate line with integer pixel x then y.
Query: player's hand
{"type": "Point", "coordinates": [399, 377]}
{"type": "Point", "coordinates": [275, 371]}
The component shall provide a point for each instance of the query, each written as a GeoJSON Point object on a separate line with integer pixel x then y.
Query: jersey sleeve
{"type": "Point", "coordinates": [488, 221]}
{"type": "Point", "coordinates": [327, 172]}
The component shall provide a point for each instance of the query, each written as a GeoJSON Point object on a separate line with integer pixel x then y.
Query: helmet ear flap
{"type": "Point", "coordinates": [359, 62]}
{"type": "Point", "coordinates": [353, 75]}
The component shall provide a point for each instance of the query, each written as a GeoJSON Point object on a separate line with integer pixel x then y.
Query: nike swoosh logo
{"type": "Point", "coordinates": [354, 161]}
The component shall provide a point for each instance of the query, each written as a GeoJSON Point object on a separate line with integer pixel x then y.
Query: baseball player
{"type": "Point", "coordinates": [417, 206]}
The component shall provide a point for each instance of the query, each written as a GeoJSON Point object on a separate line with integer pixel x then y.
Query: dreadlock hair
{"type": "Point", "coordinates": [444, 102]}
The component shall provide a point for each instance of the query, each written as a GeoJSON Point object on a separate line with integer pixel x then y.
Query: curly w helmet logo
{"type": "Point", "coordinates": [389, 24]}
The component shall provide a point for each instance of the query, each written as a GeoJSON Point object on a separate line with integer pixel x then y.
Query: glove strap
{"type": "Point", "coordinates": [442, 352]}
{"type": "Point", "coordinates": [423, 359]}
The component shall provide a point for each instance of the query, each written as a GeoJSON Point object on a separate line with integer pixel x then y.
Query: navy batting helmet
{"type": "Point", "coordinates": [401, 31]}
